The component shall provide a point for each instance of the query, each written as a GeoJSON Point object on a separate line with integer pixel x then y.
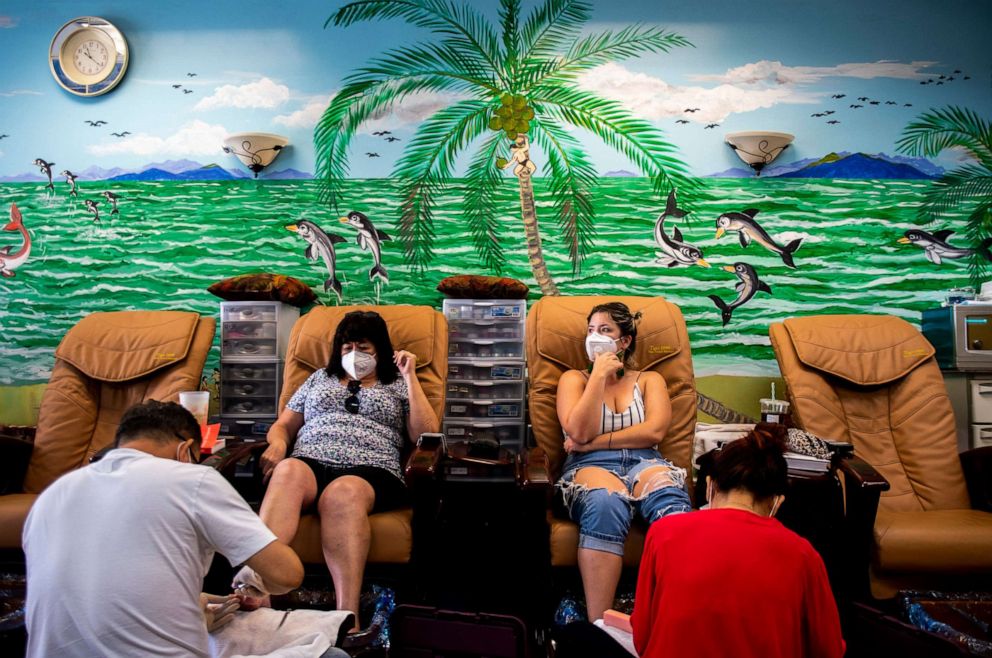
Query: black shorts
{"type": "Point", "coordinates": [390, 491]}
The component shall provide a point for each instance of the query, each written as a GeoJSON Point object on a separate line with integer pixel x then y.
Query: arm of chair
{"type": "Point", "coordinates": [977, 465]}
{"type": "Point", "coordinates": [862, 487]}
{"type": "Point", "coordinates": [239, 465]}
{"type": "Point", "coordinates": [225, 461]}
{"type": "Point", "coordinates": [534, 471]}
{"type": "Point", "coordinates": [16, 446]}
{"type": "Point", "coordinates": [424, 462]}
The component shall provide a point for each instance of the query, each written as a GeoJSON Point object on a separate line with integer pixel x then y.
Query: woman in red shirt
{"type": "Point", "coordinates": [731, 580]}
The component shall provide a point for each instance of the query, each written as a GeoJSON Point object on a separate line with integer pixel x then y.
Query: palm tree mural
{"type": "Point", "coordinates": [511, 83]}
{"type": "Point", "coordinates": [967, 188]}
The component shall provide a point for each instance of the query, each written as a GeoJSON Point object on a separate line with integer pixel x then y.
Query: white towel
{"type": "Point", "coordinates": [709, 436]}
{"type": "Point", "coordinates": [623, 638]}
{"type": "Point", "coordinates": [263, 632]}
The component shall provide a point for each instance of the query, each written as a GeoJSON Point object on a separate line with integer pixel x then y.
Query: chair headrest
{"type": "Point", "coordinates": [862, 349]}
{"type": "Point", "coordinates": [410, 328]}
{"type": "Point", "coordinates": [562, 329]}
{"type": "Point", "coordinates": [124, 345]}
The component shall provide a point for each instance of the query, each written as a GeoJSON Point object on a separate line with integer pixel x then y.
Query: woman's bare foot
{"type": "Point", "coordinates": [249, 603]}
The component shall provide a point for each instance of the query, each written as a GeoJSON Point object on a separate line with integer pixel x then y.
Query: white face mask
{"type": "Point", "coordinates": [597, 344]}
{"type": "Point", "coordinates": [357, 364]}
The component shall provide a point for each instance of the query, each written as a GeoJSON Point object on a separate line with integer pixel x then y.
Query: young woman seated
{"type": "Point", "coordinates": [613, 417]}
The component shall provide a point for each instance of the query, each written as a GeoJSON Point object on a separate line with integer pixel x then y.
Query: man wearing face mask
{"type": "Point", "coordinates": [117, 550]}
{"type": "Point", "coordinates": [338, 443]}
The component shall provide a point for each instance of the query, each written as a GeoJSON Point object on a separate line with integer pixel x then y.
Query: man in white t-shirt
{"type": "Point", "coordinates": [117, 551]}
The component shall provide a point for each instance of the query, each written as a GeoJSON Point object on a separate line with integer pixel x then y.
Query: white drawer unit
{"type": "Point", "coordinates": [484, 409]}
{"type": "Point", "coordinates": [486, 370]}
{"type": "Point", "coordinates": [981, 400]}
{"type": "Point", "coordinates": [981, 436]}
{"type": "Point", "coordinates": [485, 330]}
{"type": "Point", "coordinates": [254, 336]}
{"type": "Point", "coordinates": [240, 372]}
{"type": "Point", "coordinates": [486, 389]}
{"type": "Point", "coordinates": [486, 309]}
{"type": "Point", "coordinates": [485, 349]}
{"type": "Point", "coordinates": [509, 435]}
{"type": "Point", "coordinates": [255, 330]}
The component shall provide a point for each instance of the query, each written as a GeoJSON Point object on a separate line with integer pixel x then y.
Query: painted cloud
{"type": "Point", "coordinates": [263, 93]}
{"type": "Point", "coordinates": [194, 138]}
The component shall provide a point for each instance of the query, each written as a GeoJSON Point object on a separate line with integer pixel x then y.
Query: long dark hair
{"type": "Point", "coordinates": [755, 463]}
{"type": "Point", "coordinates": [626, 321]}
{"type": "Point", "coordinates": [358, 326]}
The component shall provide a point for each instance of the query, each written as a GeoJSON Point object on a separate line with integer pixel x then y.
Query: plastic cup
{"type": "Point", "coordinates": [773, 411]}
{"type": "Point", "coordinates": [197, 403]}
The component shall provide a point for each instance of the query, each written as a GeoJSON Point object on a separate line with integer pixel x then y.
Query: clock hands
{"type": "Point", "coordinates": [87, 53]}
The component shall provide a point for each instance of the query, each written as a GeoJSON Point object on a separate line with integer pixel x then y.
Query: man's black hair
{"type": "Point", "coordinates": [162, 421]}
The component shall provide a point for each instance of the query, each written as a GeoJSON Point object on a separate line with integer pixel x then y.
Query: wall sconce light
{"type": "Point", "coordinates": [255, 150]}
{"type": "Point", "coordinates": [758, 148]}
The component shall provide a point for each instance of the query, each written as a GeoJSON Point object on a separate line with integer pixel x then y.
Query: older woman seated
{"type": "Point", "coordinates": [345, 426]}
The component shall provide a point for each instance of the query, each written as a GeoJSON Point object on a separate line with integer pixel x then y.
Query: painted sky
{"type": "Point", "coordinates": [272, 67]}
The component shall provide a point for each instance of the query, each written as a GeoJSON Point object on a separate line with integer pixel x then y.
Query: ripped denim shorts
{"type": "Point", "coordinates": [604, 516]}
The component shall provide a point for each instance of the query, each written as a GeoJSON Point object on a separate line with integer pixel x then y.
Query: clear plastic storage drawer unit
{"type": "Point", "coordinates": [254, 336]}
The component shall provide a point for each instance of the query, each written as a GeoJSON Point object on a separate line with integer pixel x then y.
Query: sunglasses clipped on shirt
{"type": "Point", "coordinates": [351, 402]}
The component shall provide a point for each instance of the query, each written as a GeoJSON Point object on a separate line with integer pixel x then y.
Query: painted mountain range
{"type": "Point", "coordinates": [168, 170]}
{"type": "Point", "coordinates": [845, 165]}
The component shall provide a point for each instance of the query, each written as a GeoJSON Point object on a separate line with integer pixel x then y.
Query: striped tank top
{"type": "Point", "coordinates": [632, 415]}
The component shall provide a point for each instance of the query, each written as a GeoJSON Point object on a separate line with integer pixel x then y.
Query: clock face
{"type": "Point", "coordinates": [88, 56]}
{"type": "Point", "coordinates": [91, 57]}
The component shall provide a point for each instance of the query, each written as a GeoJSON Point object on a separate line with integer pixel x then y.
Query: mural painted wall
{"type": "Point", "coordinates": [455, 141]}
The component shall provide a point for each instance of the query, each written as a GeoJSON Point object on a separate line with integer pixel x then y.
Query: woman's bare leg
{"type": "Point", "coordinates": [600, 570]}
{"type": "Point", "coordinates": [292, 487]}
{"type": "Point", "coordinates": [346, 534]}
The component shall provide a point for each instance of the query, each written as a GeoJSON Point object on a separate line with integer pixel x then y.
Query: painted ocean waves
{"type": "Point", "coordinates": [173, 239]}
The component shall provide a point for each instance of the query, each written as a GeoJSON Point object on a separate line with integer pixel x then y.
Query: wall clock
{"type": "Point", "coordinates": [88, 56]}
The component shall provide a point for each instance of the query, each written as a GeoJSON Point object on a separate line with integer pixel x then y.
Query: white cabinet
{"type": "Point", "coordinates": [485, 396]}
{"type": "Point", "coordinates": [971, 399]}
{"type": "Point", "coordinates": [254, 336]}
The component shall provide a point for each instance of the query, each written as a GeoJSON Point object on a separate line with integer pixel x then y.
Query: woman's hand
{"type": "Point", "coordinates": [606, 364]}
{"type": "Point", "coordinates": [406, 362]}
{"type": "Point", "coordinates": [574, 446]}
{"type": "Point", "coordinates": [274, 454]}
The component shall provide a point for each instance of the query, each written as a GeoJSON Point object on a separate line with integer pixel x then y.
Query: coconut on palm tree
{"type": "Point", "coordinates": [512, 84]}
{"type": "Point", "coordinates": [965, 190]}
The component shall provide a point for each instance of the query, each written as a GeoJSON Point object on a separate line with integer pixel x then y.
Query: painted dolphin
{"type": "Point", "coordinates": [748, 229]}
{"type": "Point", "coordinates": [112, 198]}
{"type": "Point", "coordinates": [936, 248]}
{"type": "Point", "coordinates": [10, 260]}
{"type": "Point", "coordinates": [70, 178]}
{"type": "Point", "coordinates": [92, 207]}
{"type": "Point", "coordinates": [46, 168]}
{"type": "Point", "coordinates": [321, 245]}
{"type": "Point", "coordinates": [676, 251]}
{"type": "Point", "coordinates": [747, 287]}
{"type": "Point", "coordinates": [370, 239]}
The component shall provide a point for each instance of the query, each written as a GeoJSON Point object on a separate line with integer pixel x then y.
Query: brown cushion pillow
{"type": "Point", "coordinates": [263, 287]}
{"type": "Point", "coordinates": [474, 286]}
